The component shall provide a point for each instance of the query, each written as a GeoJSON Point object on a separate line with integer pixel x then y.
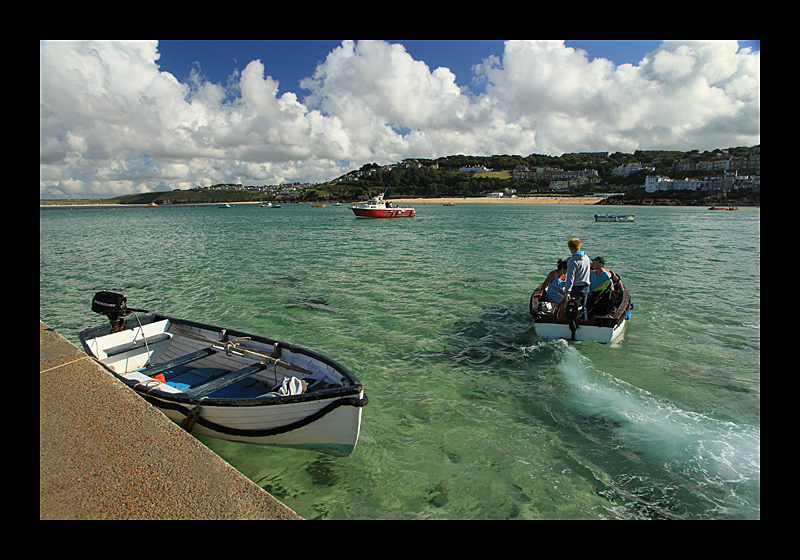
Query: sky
{"type": "Point", "coordinates": [127, 117]}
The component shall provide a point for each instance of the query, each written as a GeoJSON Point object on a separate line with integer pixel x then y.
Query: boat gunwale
{"type": "Point", "coordinates": [354, 389]}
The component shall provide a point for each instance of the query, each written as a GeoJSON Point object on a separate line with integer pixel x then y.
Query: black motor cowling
{"type": "Point", "coordinates": [109, 303]}
{"type": "Point", "coordinates": [114, 306]}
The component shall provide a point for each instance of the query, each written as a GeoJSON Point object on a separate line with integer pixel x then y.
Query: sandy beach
{"type": "Point", "coordinates": [486, 200]}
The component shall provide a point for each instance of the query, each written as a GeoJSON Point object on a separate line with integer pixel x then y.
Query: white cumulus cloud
{"type": "Point", "coordinates": [111, 122]}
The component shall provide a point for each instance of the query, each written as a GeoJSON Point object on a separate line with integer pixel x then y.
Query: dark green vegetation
{"type": "Point", "coordinates": [441, 177]}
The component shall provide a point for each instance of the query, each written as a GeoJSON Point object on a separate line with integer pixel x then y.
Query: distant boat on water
{"type": "Point", "coordinates": [614, 217]}
{"type": "Point", "coordinates": [380, 208]}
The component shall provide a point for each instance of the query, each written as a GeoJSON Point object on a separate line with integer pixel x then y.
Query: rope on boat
{"type": "Point", "coordinates": [146, 346]}
{"type": "Point", "coordinates": [193, 416]}
{"type": "Point", "coordinates": [327, 409]}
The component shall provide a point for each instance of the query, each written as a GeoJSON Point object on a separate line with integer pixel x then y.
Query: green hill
{"type": "Point", "coordinates": [431, 178]}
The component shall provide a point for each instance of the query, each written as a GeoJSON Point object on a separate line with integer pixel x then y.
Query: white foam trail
{"type": "Point", "coordinates": [707, 450]}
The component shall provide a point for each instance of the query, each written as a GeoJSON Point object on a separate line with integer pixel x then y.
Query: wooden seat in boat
{"type": "Point", "coordinates": [218, 383]}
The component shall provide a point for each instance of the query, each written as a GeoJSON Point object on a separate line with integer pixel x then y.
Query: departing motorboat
{"type": "Point", "coordinates": [600, 328]}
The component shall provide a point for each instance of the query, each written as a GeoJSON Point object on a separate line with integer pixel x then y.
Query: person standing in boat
{"type": "Point", "coordinates": [576, 285]}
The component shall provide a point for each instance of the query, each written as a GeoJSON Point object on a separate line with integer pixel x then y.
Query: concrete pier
{"type": "Point", "coordinates": [105, 453]}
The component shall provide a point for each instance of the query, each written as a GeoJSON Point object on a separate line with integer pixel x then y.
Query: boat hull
{"type": "Point", "coordinates": [328, 419]}
{"type": "Point", "coordinates": [383, 213]}
{"type": "Point", "coordinates": [603, 335]}
{"type": "Point", "coordinates": [336, 435]}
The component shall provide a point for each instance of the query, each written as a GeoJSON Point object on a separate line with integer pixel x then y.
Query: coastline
{"type": "Point", "coordinates": [587, 200]}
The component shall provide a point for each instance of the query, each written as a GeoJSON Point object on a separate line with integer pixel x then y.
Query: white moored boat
{"type": "Point", "coordinates": [229, 384]}
{"type": "Point", "coordinates": [614, 217]}
{"type": "Point", "coordinates": [600, 328]}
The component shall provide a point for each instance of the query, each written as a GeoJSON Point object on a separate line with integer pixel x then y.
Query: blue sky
{"type": "Point", "coordinates": [291, 61]}
{"type": "Point", "coordinates": [118, 117]}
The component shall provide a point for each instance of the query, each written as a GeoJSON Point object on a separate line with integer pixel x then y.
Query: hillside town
{"type": "Point", "coordinates": [737, 173]}
{"type": "Point", "coordinates": [725, 174]}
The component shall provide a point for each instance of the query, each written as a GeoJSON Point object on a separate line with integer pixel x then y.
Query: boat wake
{"type": "Point", "coordinates": [650, 458]}
{"type": "Point", "coordinates": [718, 461]}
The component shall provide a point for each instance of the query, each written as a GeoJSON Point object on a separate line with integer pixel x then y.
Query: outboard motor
{"type": "Point", "coordinates": [571, 313]}
{"type": "Point", "coordinates": [114, 306]}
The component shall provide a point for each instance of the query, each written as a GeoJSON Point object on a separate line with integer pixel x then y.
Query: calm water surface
{"type": "Point", "coordinates": [471, 415]}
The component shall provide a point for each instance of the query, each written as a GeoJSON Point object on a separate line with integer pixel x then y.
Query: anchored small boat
{"type": "Point", "coordinates": [228, 384]}
{"type": "Point", "coordinates": [380, 208]}
{"type": "Point", "coordinates": [614, 217]}
{"type": "Point", "coordinates": [724, 208]}
{"type": "Point", "coordinates": [600, 328]}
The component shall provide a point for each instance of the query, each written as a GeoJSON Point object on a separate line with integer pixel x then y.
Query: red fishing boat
{"type": "Point", "coordinates": [380, 208]}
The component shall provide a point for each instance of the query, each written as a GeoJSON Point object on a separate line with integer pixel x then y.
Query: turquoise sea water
{"type": "Point", "coordinates": [471, 415]}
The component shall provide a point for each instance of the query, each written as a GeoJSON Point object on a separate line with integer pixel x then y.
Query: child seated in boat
{"type": "Point", "coordinates": [554, 285]}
